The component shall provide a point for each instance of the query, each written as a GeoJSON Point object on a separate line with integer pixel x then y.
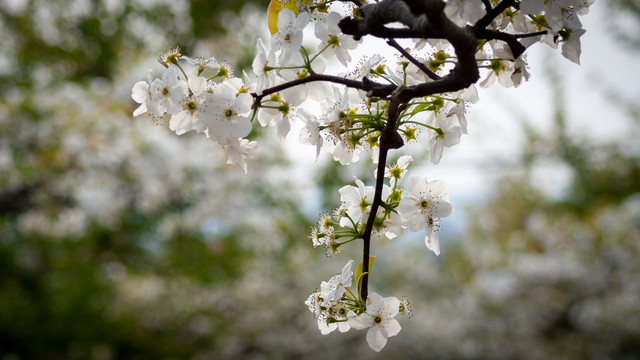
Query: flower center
{"type": "Point", "coordinates": [423, 203]}
{"type": "Point", "coordinates": [377, 319]}
{"type": "Point", "coordinates": [363, 204]}
{"type": "Point", "coordinates": [191, 106]}
{"type": "Point", "coordinates": [228, 113]}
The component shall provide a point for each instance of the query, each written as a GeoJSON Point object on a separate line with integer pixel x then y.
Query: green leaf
{"type": "Point", "coordinates": [358, 272]}
{"type": "Point", "coordinates": [422, 107]}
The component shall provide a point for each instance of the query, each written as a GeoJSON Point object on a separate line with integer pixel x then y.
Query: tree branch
{"type": "Point", "coordinates": [390, 139]}
{"type": "Point", "coordinates": [371, 87]}
{"type": "Point", "coordinates": [514, 45]}
{"type": "Point", "coordinates": [493, 13]}
{"type": "Point", "coordinates": [355, 2]}
{"type": "Point", "coordinates": [463, 75]}
{"type": "Point", "coordinates": [414, 61]}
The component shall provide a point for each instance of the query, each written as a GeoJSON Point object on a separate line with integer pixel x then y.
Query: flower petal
{"type": "Point", "coordinates": [376, 339]}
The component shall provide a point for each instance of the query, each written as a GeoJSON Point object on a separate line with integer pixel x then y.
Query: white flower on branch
{"type": "Point", "coordinates": [288, 39]}
{"type": "Point", "coordinates": [337, 44]}
{"type": "Point", "coordinates": [357, 200]}
{"type": "Point", "coordinates": [333, 289]}
{"type": "Point", "coordinates": [379, 319]}
{"type": "Point", "coordinates": [446, 135]}
{"type": "Point", "coordinates": [168, 93]}
{"type": "Point", "coordinates": [228, 112]}
{"type": "Point", "coordinates": [423, 205]}
{"type": "Point", "coordinates": [310, 134]}
{"type": "Point", "coordinates": [262, 66]}
{"type": "Point", "coordinates": [194, 109]}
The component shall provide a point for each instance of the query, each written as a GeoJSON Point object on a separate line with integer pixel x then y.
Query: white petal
{"type": "Point", "coordinates": [140, 110]}
{"type": "Point", "coordinates": [376, 339]}
{"type": "Point", "coordinates": [140, 92]}
{"type": "Point", "coordinates": [442, 209]}
{"type": "Point", "coordinates": [361, 321]}
{"type": "Point", "coordinates": [432, 241]}
{"type": "Point", "coordinates": [391, 306]}
{"type": "Point", "coordinates": [393, 327]}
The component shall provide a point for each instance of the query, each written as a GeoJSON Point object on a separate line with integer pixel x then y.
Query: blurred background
{"type": "Point", "coordinates": [120, 240]}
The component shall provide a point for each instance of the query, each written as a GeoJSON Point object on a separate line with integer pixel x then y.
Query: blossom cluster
{"type": "Point", "coordinates": [200, 94]}
{"type": "Point", "coordinates": [418, 206]}
{"type": "Point", "coordinates": [355, 109]}
{"type": "Point", "coordinates": [336, 306]}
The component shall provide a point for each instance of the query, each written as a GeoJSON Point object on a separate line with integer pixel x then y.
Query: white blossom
{"type": "Point", "coordinates": [288, 39]}
{"type": "Point", "coordinates": [356, 200]}
{"type": "Point", "coordinates": [194, 109]}
{"type": "Point", "coordinates": [238, 151]}
{"type": "Point", "coordinates": [379, 320]}
{"type": "Point", "coordinates": [337, 44]}
{"type": "Point", "coordinates": [422, 206]}
{"type": "Point", "coordinates": [228, 112]}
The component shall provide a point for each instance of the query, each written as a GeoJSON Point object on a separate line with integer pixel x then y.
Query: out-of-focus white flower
{"type": "Point", "coordinates": [238, 151]}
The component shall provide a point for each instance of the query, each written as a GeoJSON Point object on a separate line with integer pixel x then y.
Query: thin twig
{"type": "Point", "coordinates": [433, 76]}
{"type": "Point", "coordinates": [522, 36]}
{"type": "Point", "coordinates": [493, 13]}
{"type": "Point", "coordinates": [371, 87]}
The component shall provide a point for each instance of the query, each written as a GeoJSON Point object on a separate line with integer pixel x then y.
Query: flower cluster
{"type": "Point", "coordinates": [418, 206]}
{"type": "Point", "coordinates": [335, 306]}
{"type": "Point", "coordinates": [376, 104]}
{"type": "Point", "coordinates": [200, 94]}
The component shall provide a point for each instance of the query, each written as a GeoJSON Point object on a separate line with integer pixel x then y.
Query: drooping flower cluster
{"type": "Point", "coordinates": [376, 104]}
{"type": "Point", "coordinates": [418, 207]}
{"type": "Point", "coordinates": [336, 306]}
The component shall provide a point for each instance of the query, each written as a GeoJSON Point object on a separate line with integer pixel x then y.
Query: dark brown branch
{"type": "Point", "coordinates": [522, 36]}
{"type": "Point", "coordinates": [514, 45]}
{"type": "Point", "coordinates": [464, 74]}
{"type": "Point", "coordinates": [390, 139]}
{"type": "Point", "coordinates": [371, 87]}
{"type": "Point", "coordinates": [375, 16]}
{"type": "Point", "coordinates": [414, 61]}
{"type": "Point", "coordinates": [355, 2]}
{"type": "Point", "coordinates": [494, 13]}
{"type": "Point", "coordinates": [359, 28]}
{"type": "Point", "coordinates": [463, 41]}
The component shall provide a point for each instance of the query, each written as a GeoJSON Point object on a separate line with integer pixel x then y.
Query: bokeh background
{"type": "Point", "coordinates": [120, 240]}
